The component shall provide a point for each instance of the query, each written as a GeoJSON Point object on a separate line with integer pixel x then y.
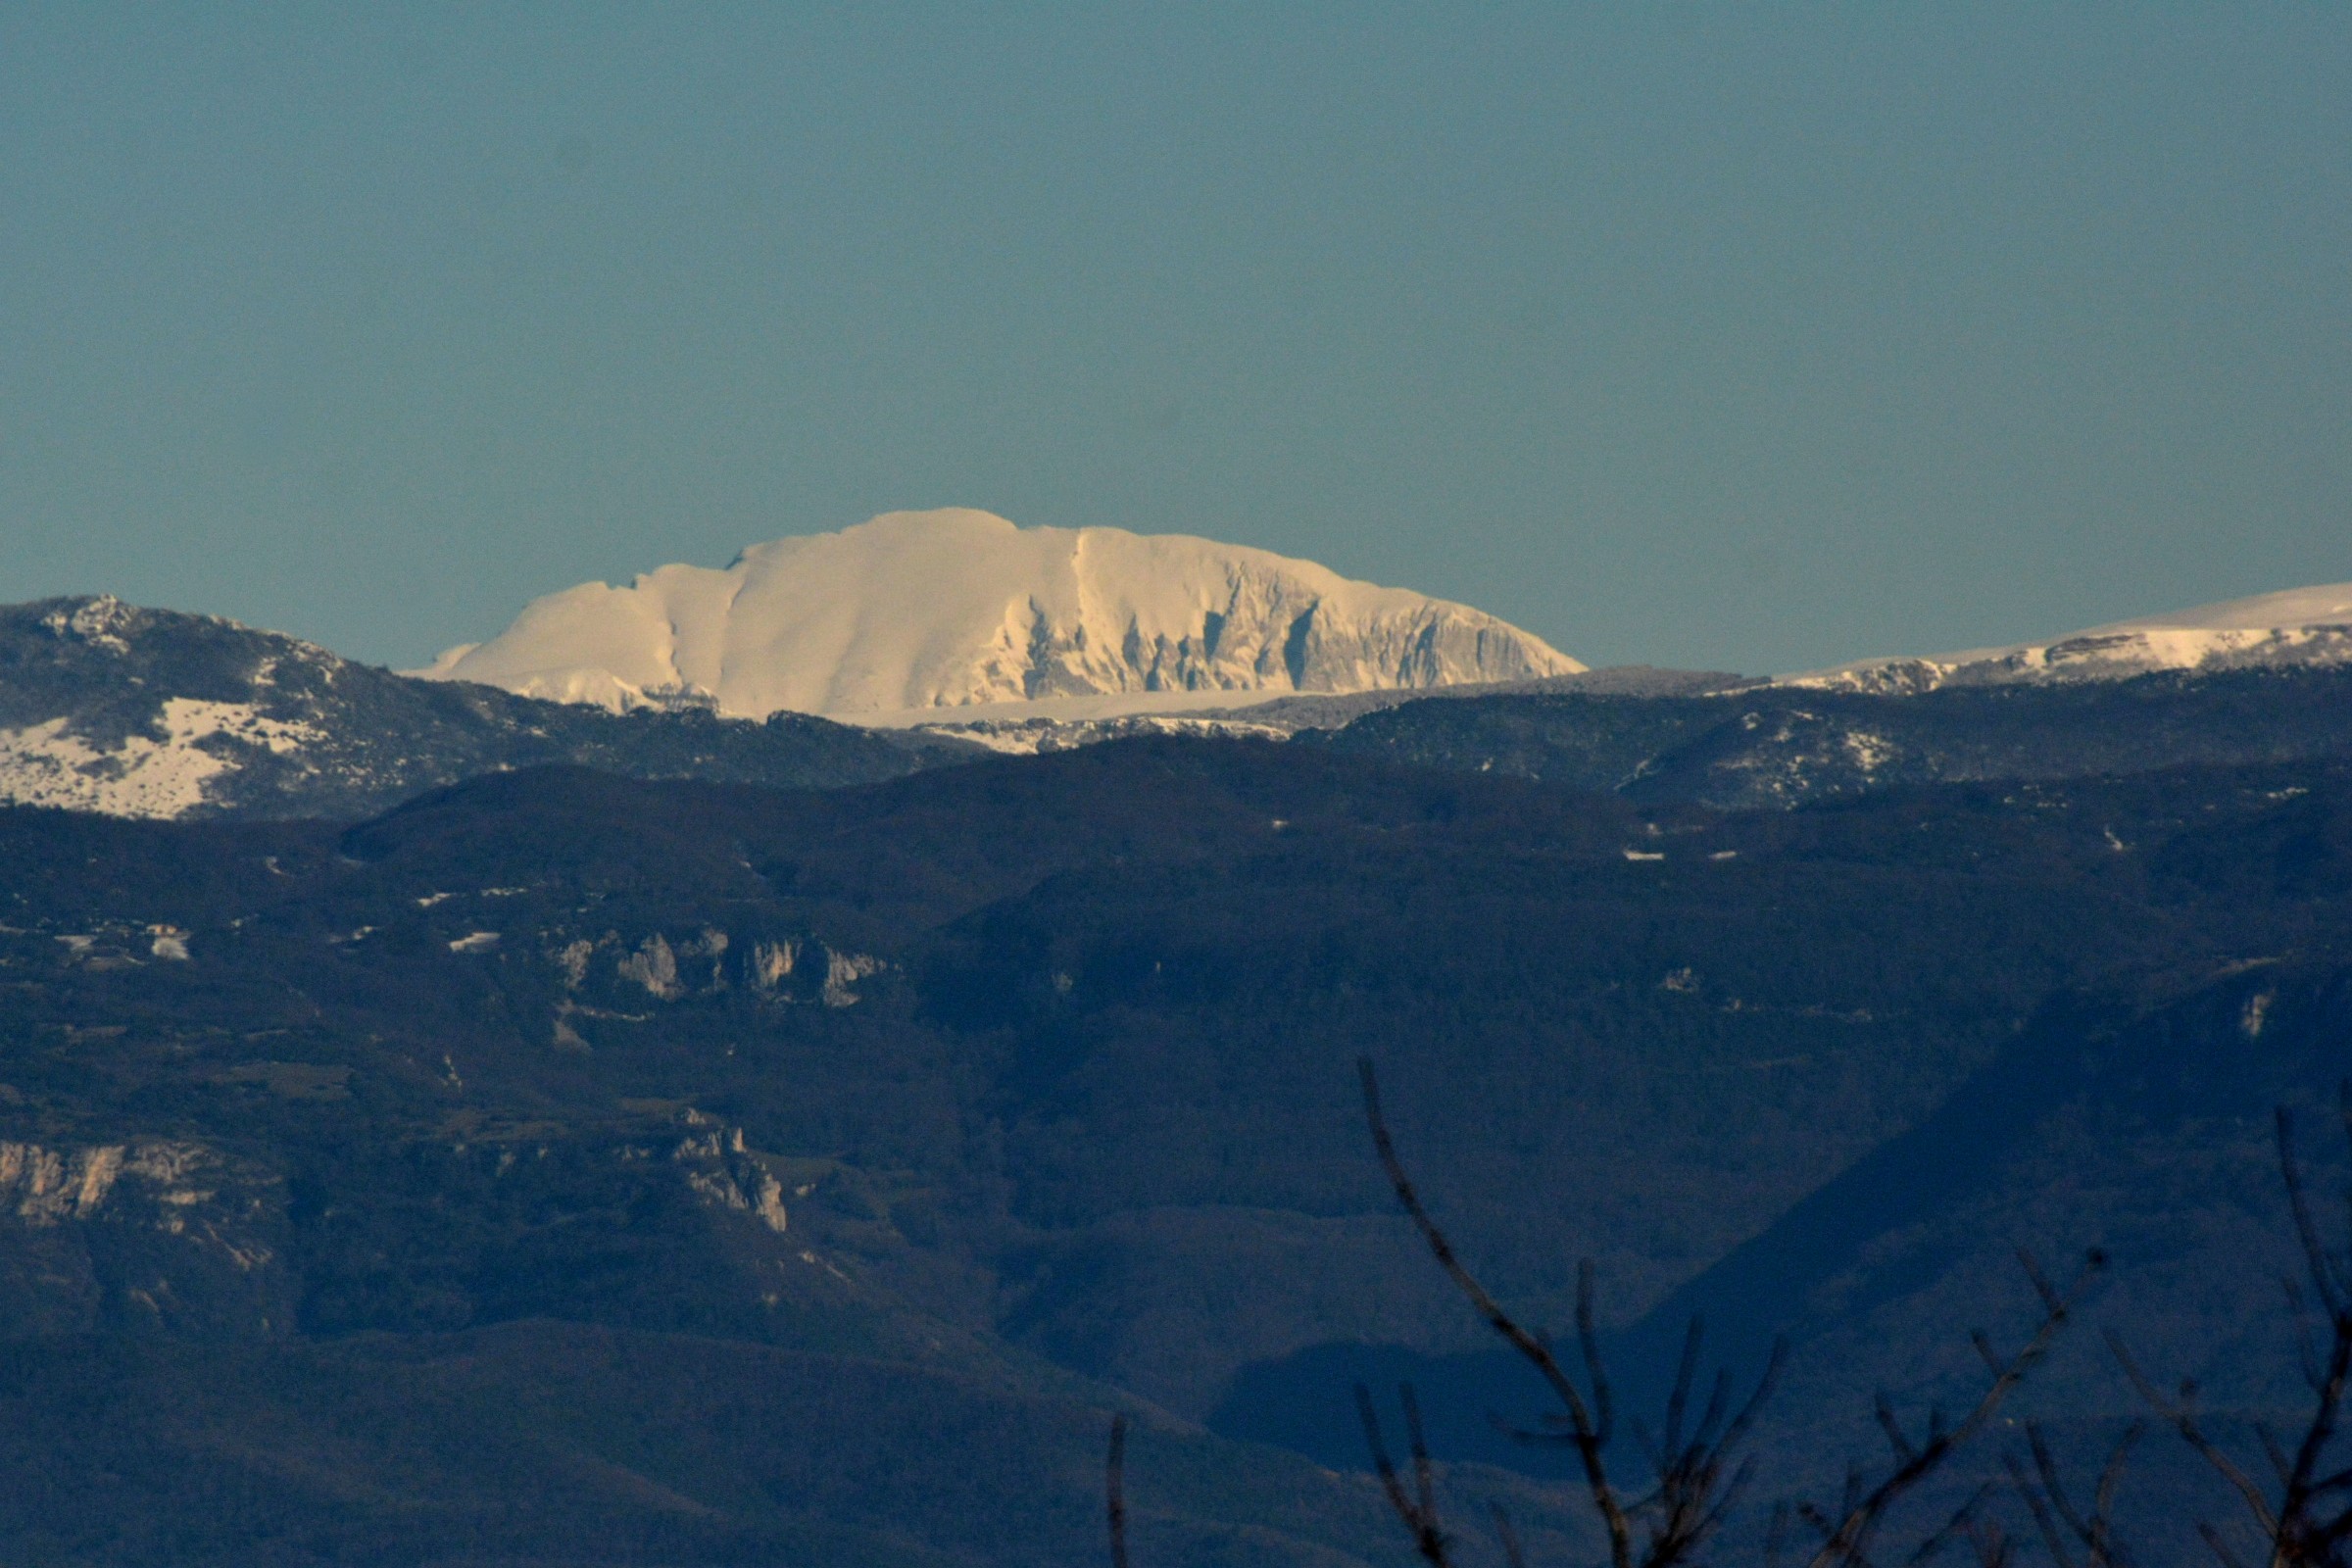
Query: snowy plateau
{"type": "Point", "coordinates": [2299, 627]}
{"type": "Point", "coordinates": [915, 612]}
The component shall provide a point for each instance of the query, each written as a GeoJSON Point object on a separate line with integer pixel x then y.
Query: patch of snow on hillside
{"type": "Point", "coordinates": [1869, 751]}
{"type": "Point", "coordinates": [44, 765]}
{"type": "Point", "coordinates": [1029, 736]}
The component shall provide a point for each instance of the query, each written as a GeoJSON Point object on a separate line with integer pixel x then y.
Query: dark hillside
{"type": "Point", "coordinates": [1786, 746]}
{"type": "Point", "coordinates": [1034, 1077]}
{"type": "Point", "coordinates": [166, 713]}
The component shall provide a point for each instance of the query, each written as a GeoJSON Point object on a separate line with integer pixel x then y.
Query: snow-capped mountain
{"type": "Point", "coordinates": [105, 707]}
{"type": "Point", "coordinates": [917, 611]}
{"type": "Point", "coordinates": [2300, 626]}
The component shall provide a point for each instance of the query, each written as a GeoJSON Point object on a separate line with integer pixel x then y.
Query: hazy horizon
{"type": "Point", "coordinates": [1696, 337]}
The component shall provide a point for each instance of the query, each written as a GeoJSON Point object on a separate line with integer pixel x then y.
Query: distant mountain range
{"type": "Point", "coordinates": [794, 1149]}
{"type": "Point", "coordinates": [2301, 626]}
{"type": "Point", "coordinates": [957, 614]}
{"type": "Point", "coordinates": [931, 636]}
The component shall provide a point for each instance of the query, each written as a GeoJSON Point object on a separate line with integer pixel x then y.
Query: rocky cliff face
{"type": "Point", "coordinates": [917, 612]}
{"type": "Point", "coordinates": [143, 1236]}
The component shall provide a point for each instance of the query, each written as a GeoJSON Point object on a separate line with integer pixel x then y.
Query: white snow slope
{"type": "Point", "coordinates": [42, 765]}
{"type": "Point", "coordinates": [2298, 627]}
{"type": "Point", "coordinates": [917, 612]}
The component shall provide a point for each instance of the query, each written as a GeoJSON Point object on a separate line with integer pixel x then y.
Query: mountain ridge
{"type": "Point", "coordinates": [2294, 627]}
{"type": "Point", "coordinates": [109, 708]}
{"type": "Point", "coordinates": [955, 609]}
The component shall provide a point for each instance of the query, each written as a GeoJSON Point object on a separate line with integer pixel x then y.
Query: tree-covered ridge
{"type": "Point", "coordinates": [1033, 1080]}
{"type": "Point", "coordinates": [1763, 745]}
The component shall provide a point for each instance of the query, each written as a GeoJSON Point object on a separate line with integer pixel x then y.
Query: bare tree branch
{"type": "Point", "coordinates": [2307, 1231]}
{"type": "Point", "coordinates": [2056, 1516]}
{"type": "Point", "coordinates": [1698, 1470]}
{"type": "Point", "coordinates": [2220, 1548]}
{"type": "Point", "coordinates": [1990, 1542]}
{"type": "Point", "coordinates": [1512, 1552]}
{"type": "Point", "coordinates": [2302, 1536]}
{"type": "Point", "coordinates": [1115, 1489]}
{"type": "Point", "coordinates": [2294, 1526]}
{"type": "Point", "coordinates": [1418, 1508]}
{"type": "Point", "coordinates": [2180, 1415]}
{"type": "Point", "coordinates": [1587, 1430]}
{"type": "Point", "coordinates": [1846, 1542]}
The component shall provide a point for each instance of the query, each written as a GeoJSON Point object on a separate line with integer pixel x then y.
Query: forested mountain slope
{"type": "Point", "coordinates": [1009, 1092]}
{"type": "Point", "coordinates": [105, 707]}
{"type": "Point", "coordinates": [1763, 745]}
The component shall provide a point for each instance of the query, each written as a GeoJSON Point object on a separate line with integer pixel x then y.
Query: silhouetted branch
{"type": "Point", "coordinates": [2220, 1548]}
{"type": "Point", "coordinates": [2295, 1528]}
{"type": "Point", "coordinates": [2180, 1414]}
{"type": "Point", "coordinates": [1696, 1479]}
{"type": "Point", "coordinates": [1587, 1430]}
{"type": "Point", "coordinates": [2054, 1512]}
{"type": "Point", "coordinates": [1986, 1538]}
{"type": "Point", "coordinates": [1418, 1508]}
{"type": "Point", "coordinates": [1512, 1550]}
{"type": "Point", "coordinates": [1116, 1489]}
{"type": "Point", "coordinates": [2303, 1537]}
{"type": "Point", "coordinates": [1847, 1536]}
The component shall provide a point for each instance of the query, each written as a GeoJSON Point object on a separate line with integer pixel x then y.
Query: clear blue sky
{"type": "Point", "coordinates": [1748, 337]}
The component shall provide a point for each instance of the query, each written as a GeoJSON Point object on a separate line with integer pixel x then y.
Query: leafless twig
{"type": "Point", "coordinates": [1512, 1552]}
{"type": "Point", "coordinates": [2306, 1523]}
{"type": "Point", "coordinates": [1984, 1536]}
{"type": "Point", "coordinates": [2056, 1516]}
{"type": "Point", "coordinates": [1116, 1489]}
{"type": "Point", "coordinates": [1848, 1530]}
{"type": "Point", "coordinates": [1696, 1478]}
{"type": "Point", "coordinates": [1418, 1508]}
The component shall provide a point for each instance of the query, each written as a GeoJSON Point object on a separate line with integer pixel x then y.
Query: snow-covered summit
{"type": "Point", "coordinates": [915, 611]}
{"type": "Point", "coordinates": [2299, 626]}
